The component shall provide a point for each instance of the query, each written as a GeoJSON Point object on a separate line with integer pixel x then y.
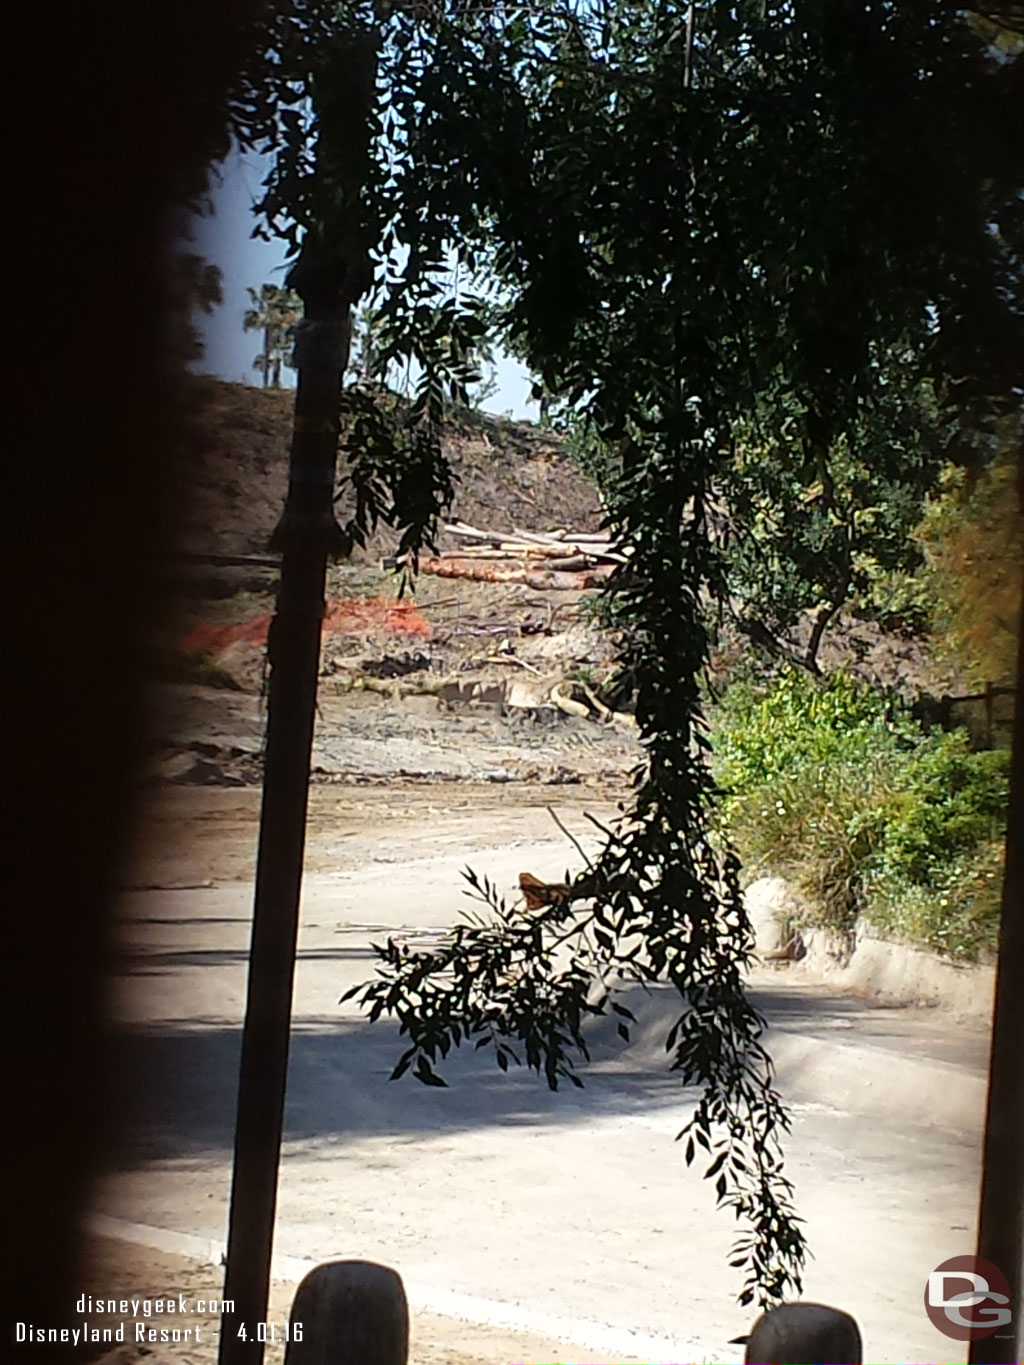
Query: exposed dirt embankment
{"type": "Point", "coordinates": [507, 473]}
{"type": "Point", "coordinates": [462, 681]}
{"type": "Point", "coordinates": [892, 973]}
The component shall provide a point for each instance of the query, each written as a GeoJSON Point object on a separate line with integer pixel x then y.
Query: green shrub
{"type": "Point", "coordinates": [761, 735]}
{"type": "Point", "coordinates": [946, 801]}
{"type": "Point", "coordinates": [956, 913]}
{"type": "Point", "coordinates": [841, 790]}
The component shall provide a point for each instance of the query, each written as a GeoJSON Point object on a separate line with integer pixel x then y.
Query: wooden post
{"type": "Point", "coordinates": [294, 656]}
{"type": "Point", "coordinates": [1001, 1216]}
{"type": "Point", "coordinates": [349, 1313]}
{"type": "Point", "coordinates": [332, 272]}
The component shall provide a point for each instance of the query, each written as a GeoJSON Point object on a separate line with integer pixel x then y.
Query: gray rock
{"type": "Point", "coordinates": [772, 906]}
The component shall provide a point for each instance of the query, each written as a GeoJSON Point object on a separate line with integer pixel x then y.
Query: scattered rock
{"type": "Point", "coordinates": [196, 771]}
{"type": "Point", "coordinates": [526, 695]}
{"type": "Point", "coordinates": [176, 768]}
{"type": "Point", "coordinates": [472, 692]}
{"type": "Point", "coordinates": [563, 777]}
{"type": "Point", "coordinates": [773, 909]}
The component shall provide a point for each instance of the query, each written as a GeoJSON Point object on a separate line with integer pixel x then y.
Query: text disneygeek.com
{"type": "Point", "coordinates": [137, 1323]}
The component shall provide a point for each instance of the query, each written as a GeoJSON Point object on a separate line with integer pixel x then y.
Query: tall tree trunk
{"type": "Point", "coordinates": [266, 356]}
{"type": "Point", "coordinates": [332, 272]}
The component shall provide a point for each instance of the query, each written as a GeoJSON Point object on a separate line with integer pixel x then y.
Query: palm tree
{"type": "Point", "coordinates": [275, 312]}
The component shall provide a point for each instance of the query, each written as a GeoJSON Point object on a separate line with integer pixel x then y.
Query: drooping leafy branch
{"type": "Point", "coordinates": [778, 222]}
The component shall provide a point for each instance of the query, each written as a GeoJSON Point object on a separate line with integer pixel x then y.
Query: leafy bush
{"type": "Point", "coordinates": [956, 913]}
{"type": "Point", "coordinates": [841, 790]}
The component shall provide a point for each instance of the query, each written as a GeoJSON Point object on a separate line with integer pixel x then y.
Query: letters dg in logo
{"type": "Point", "coordinates": [968, 1298]}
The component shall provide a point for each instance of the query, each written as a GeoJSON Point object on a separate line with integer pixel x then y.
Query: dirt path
{"type": "Point", "coordinates": [455, 1187]}
{"type": "Point", "coordinates": [204, 836]}
{"type": "Point", "coordinates": [406, 793]}
{"type": "Point", "coordinates": [197, 838]}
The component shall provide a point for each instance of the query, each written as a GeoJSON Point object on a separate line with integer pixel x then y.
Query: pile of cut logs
{"type": "Point", "coordinates": [554, 559]}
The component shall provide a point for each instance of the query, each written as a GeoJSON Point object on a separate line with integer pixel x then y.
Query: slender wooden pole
{"type": "Point", "coordinates": [1001, 1217]}
{"type": "Point", "coordinates": [332, 272]}
{"type": "Point", "coordinates": [294, 656]}
{"type": "Point", "coordinates": [306, 535]}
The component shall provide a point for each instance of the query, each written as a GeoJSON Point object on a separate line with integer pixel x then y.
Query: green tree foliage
{"type": "Point", "coordinates": [276, 313]}
{"type": "Point", "coordinates": [974, 542]}
{"type": "Point", "coordinates": [711, 221]}
{"type": "Point", "coordinates": [806, 537]}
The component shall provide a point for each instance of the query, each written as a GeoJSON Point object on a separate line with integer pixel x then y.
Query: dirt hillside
{"type": "Point", "coordinates": [465, 680]}
{"type": "Point", "coordinates": [507, 473]}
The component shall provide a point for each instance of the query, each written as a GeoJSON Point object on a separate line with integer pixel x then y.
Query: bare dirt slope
{"type": "Point", "coordinates": [462, 681]}
{"type": "Point", "coordinates": [454, 683]}
{"type": "Point", "coordinates": [507, 473]}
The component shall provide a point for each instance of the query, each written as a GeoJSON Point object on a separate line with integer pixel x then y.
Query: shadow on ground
{"type": "Point", "coordinates": [179, 1079]}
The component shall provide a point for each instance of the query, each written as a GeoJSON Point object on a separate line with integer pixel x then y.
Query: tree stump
{"type": "Point", "coordinates": [349, 1313]}
{"type": "Point", "coordinates": [804, 1334]}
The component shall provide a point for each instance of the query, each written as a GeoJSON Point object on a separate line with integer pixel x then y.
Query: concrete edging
{"type": "Point", "coordinates": [874, 1083]}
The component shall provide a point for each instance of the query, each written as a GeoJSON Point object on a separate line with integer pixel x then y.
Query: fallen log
{"type": "Point", "coordinates": [566, 557]}
{"type": "Point", "coordinates": [580, 537]}
{"type": "Point", "coordinates": [597, 546]}
{"type": "Point", "coordinates": [561, 695]}
{"type": "Point", "coordinates": [571, 563]}
{"type": "Point", "coordinates": [507, 550]}
{"type": "Point", "coordinates": [551, 542]}
{"type": "Point", "coordinates": [490, 571]}
{"type": "Point", "coordinates": [390, 687]}
{"type": "Point", "coordinates": [462, 528]}
{"type": "Point", "coordinates": [569, 705]}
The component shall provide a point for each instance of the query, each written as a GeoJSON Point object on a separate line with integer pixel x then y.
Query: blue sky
{"type": "Point", "coordinates": [224, 239]}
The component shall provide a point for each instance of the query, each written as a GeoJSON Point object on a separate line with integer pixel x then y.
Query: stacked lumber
{"type": "Point", "coordinates": [559, 559]}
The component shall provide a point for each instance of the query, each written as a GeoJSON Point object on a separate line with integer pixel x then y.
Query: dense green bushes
{"type": "Point", "coordinates": [842, 791]}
